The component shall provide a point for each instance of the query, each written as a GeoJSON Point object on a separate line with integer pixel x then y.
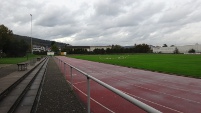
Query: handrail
{"type": "Point", "coordinates": [134, 101]}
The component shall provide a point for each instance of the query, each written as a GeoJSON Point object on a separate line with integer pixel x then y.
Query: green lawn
{"type": "Point", "coordinates": [16, 60]}
{"type": "Point", "coordinates": [180, 64]}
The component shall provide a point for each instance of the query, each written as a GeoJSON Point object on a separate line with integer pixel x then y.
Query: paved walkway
{"type": "Point", "coordinates": [9, 74]}
{"type": "Point", "coordinates": [56, 95]}
{"type": "Point", "coordinates": [6, 69]}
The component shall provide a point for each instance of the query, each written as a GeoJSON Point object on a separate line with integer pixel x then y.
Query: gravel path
{"type": "Point", "coordinates": [56, 96]}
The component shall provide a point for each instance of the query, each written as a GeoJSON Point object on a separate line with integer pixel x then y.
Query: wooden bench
{"type": "Point", "coordinates": [38, 59]}
{"type": "Point", "coordinates": [22, 66]}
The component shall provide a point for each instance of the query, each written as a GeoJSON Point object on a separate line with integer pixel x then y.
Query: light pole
{"type": "Point", "coordinates": [31, 34]}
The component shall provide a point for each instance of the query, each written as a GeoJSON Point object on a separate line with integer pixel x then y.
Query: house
{"type": "Point", "coordinates": [37, 48]}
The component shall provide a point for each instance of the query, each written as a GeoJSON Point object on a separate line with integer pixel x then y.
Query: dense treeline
{"type": "Point", "coordinates": [10, 46]}
{"type": "Point", "coordinates": [141, 48]}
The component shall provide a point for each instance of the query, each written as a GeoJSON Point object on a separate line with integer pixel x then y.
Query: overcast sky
{"type": "Point", "coordinates": [106, 22]}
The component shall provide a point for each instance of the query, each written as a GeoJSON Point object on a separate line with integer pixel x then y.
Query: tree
{"type": "Point", "coordinates": [17, 48]}
{"type": "Point", "coordinates": [99, 51]}
{"type": "Point", "coordinates": [53, 43]}
{"type": "Point", "coordinates": [176, 51]}
{"type": "Point", "coordinates": [191, 51]}
{"type": "Point", "coordinates": [55, 48]}
{"type": "Point", "coordinates": [165, 45]}
{"type": "Point", "coordinates": [5, 38]}
{"type": "Point", "coordinates": [142, 48]}
{"type": "Point", "coordinates": [9, 45]}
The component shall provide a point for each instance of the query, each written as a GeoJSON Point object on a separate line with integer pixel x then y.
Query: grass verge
{"type": "Point", "coordinates": [16, 60]}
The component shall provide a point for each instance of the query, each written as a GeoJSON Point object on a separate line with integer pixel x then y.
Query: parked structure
{"type": "Point", "coordinates": [181, 49]}
{"type": "Point", "coordinates": [50, 53]}
{"type": "Point", "coordinates": [63, 53]}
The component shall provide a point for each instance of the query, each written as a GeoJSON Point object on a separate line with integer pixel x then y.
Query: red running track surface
{"type": "Point", "coordinates": [166, 93]}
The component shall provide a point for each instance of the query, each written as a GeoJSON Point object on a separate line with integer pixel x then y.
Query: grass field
{"type": "Point", "coordinates": [180, 64]}
{"type": "Point", "coordinates": [16, 60]}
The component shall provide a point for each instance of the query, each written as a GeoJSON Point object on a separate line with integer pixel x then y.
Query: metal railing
{"type": "Point", "coordinates": [134, 101]}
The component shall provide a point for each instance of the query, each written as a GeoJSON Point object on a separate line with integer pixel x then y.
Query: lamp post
{"type": "Point", "coordinates": [31, 34]}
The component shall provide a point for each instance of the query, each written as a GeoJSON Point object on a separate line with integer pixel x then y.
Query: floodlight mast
{"type": "Point", "coordinates": [31, 34]}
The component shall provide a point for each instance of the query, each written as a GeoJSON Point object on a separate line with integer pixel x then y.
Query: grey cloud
{"type": "Point", "coordinates": [54, 16]}
{"type": "Point", "coordinates": [106, 22]}
{"type": "Point", "coordinates": [108, 8]}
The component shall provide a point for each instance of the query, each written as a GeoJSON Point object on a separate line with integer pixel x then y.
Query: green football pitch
{"type": "Point", "coordinates": [179, 64]}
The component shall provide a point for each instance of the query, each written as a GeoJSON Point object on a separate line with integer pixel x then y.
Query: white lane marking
{"type": "Point", "coordinates": [80, 82]}
{"type": "Point", "coordinates": [153, 90]}
{"type": "Point", "coordinates": [131, 78]}
{"type": "Point", "coordinates": [161, 84]}
{"type": "Point", "coordinates": [95, 100]}
{"type": "Point", "coordinates": [132, 96]}
{"type": "Point", "coordinates": [167, 94]}
{"type": "Point", "coordinates": [153, 102]}
{"type": "Point", "coordinates": [157, 91]}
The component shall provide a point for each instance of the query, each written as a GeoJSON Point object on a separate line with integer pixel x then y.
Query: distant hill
{"type": "Point", "coordinates": [40, 42]}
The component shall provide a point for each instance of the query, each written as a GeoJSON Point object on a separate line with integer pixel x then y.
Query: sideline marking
{"type": "Point", "coordinates": [153, 102]}
{"type": "Point", "coordinates": [79, 82]}
{"type": "Point", "coordinates": [155, 91]}
{"type": "Point", "coordinates": [149, 81]}
{"type": "Point", "coordinates": [95, 100]}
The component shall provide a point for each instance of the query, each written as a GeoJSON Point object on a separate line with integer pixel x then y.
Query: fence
{"type": "Point", "coordinates": [132, 100]}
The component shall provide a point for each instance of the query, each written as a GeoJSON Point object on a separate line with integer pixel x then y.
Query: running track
{"type": "Point", "coordinates": [167, 93]}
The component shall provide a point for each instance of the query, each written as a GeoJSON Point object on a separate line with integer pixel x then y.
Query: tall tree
{"type": "Point", "coordinates": [142, 48]}
{"type": "Point", "coordinates": [5, 38]}
{"type": "Point", "coordinates": [176, 51]}
{"type": "Point", "coordinates": [53, 43]}
{"type": "Point", "coordinates": [165, 45]}
{"type": "Point", "coordinates": [55, 48]}
{"type": "Point", "coordinates": [9, 45]}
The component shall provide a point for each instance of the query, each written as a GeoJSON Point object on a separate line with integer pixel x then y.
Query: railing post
{"type": "Point", "coordinates": [60, 64]}
{"type": "Point", "coordinates": [65, 70]}
{"type": "Point", "coordinates": [88, 95]}
{"type": "Point", "coordinates": [71, 77]}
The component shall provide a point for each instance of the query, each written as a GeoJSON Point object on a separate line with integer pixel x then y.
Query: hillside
{"type": "Point", "coordinates": [40, 42]}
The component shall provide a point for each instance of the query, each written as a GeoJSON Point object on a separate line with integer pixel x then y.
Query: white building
{"type": "Point", "coordinates": [37, 48]}
{"type": "Point", "coordinates": [181, 49]}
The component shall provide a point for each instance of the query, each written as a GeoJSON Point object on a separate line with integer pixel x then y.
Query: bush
{"type": "Point", "coordinates": [191, 51]}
